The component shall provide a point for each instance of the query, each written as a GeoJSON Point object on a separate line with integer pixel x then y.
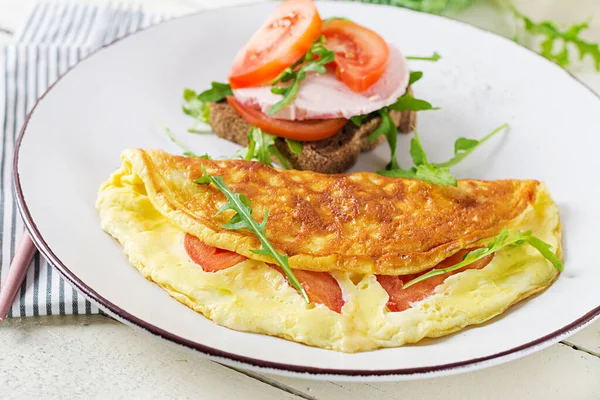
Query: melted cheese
{"type": "Point", "coordinates": [254, 297]}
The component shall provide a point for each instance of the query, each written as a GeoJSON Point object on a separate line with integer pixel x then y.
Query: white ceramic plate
{"type": "Point", "coordinates": [116, 98]}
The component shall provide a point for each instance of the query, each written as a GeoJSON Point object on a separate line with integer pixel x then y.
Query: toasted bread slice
{"type": "Point", "coordinates": [335, 154]}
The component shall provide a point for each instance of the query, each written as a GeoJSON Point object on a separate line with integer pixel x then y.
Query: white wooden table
{"type": "Point", "coordinates": [96, 357]}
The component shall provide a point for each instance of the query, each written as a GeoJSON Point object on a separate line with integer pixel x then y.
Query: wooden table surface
{"type": "Point", "coordinates": [96, 357]}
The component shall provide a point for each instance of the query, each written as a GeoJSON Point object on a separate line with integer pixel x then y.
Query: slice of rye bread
{"type": "Point", "coordinates": [333, 155]}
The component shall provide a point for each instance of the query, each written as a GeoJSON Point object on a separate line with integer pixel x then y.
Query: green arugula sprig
{"type": "Point", "coordinates": [437, 173]}
{"type": "Point", "coordinates": [503, 239]}
{"type": "Point", "coordinates": [415, 76]}
{"type": "Point", "coordinates": [295, 146]}
{"type": "Point", "coordinates": [327, 20]}
{"type": "Point", "coordinates": [184, 148]}
{"type": "Point", "coordinates": [243, 219]}
{"type": "Point", "coordinates": [555, 45]}
{"type": "Point", "coordinates": [261, 146]}
{"type": "Point", "coordinates": [196, 105]}
{"type": "Point", "coordinates": [422, 170]}
{"type": "Point", "coordinates": [387, 126]}
{"type": "Point", "coordinates": [389, 129]}
{"type": "Point", "coordinates": [406, 102]}
{"type": "Point", "coordinates": [434, 57]}
{"type": "Point", "coordinates": [463, 147]}
{"type": "Point", "coordinates": [217, 92]}
{"type": "Point", "coordinates": [195, 109]}
{"type": "Point", "coordinates": [313, 61]}
{"type": "Point", "coordinates": [409, 103]}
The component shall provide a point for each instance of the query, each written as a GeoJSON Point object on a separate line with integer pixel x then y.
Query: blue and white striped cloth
{"type": "Point", "coordinates": [55, 36]}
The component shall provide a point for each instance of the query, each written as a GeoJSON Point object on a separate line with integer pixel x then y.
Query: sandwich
{"type": "Point", "coordinates": [325, 90]}
{"type": "Point", "coordinates": [347, 262]}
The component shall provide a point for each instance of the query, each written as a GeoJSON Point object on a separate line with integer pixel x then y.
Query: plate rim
{"type": "Point", "coordinates": [218, 355]}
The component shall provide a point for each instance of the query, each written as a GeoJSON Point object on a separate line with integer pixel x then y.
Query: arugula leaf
{"type": "Point", "coordinates": [437, 173]}
{"type": "Point", "coordinates": [217, 92]}
{"type": "Point", "coordinates": [422, 170]}
{"type": "Point", "coordinates": [407, 102]}
{"type": "Point", "coordinates": [359, 119]}
{"type": "Point", "coordinates": [196, 109]}
{"type": "Point", "coordinates": [295, 146]}
{"type": "Point", "coordinates": [387, 128]}
{"type": "Point", "coordinates": [263, 142]}
{"type": "Point", "coordinates": [260, 147]}
{"type": "Point", "coordinates": [434, 57]}
{"type": "Point", "coordinates": [400, 173]}
{"type": "Point", "coordinates": [414, 77]}
{"type": "Point", "coordinates": [555, 38]}
{"type": "Point", "coordinates": [416, 151]}
{"type": "Point", "coordinates": [185, 150]}
{"type": "Point", "coordinates": [463, 147]}
{"type": "Point", "coordinates": [326, 20]}
{"type": "Point", "coordinates": [404, 103]}
{"type": "Point", "coordinates": [313, 61]}
{"type": "Point", "coordinates": [243, 219]}
{"type": "Point", "coordinates": [499, 242]}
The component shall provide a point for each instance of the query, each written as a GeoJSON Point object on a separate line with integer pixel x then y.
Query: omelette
{"type": "Point", "coordinates": [352, 240]}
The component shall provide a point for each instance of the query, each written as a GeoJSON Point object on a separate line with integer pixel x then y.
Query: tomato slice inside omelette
{"type": "Point", "coordinates": [321, 287]}
{"type": "Point", "coordinates": [211, 259]}
{"type": "Point", "coordinates": [401, 299]}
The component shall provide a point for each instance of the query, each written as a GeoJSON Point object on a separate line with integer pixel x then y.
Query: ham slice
{"type": "Point", "coordinates": [325, 97]}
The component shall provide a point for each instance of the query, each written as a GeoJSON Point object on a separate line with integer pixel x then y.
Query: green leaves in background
{"type": "Point", "coordinates": [556, 44]}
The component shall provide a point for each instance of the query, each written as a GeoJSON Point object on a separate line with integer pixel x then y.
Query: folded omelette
{"type": "Point", "coordinates": [352, 240]}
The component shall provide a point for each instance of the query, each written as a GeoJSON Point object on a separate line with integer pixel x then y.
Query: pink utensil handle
{"type": "Point", "coordinates": [16, 273]}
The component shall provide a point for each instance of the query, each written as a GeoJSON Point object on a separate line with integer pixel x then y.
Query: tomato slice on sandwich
{"type": "Point", "coordinates": [361, 55]}
{"type": "Point", "coordinates": [284, 38]}
{"type": "Point", "coordinates": [306, 130]}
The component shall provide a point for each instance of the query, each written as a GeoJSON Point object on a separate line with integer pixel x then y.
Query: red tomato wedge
{"type": "Point", "coordinates": [308, 130]}
{"type": "Point", "coordinates": [361, 55]}
{"type": "Point", "coordinates": [283, 39]}
{"type": "Point", "coordinates": [401, 299]}
{"type": "Point", "coordinates": [211, 259]}
{"type": "Point", "coordinates": [321, 288]}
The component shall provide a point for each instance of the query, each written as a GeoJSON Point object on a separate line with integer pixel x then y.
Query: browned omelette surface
{"type": "Point", "coordinates": [359, 222]}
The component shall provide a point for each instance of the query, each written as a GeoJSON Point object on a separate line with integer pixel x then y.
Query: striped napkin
{"type": "Point", "coordinates": [55, 36]}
